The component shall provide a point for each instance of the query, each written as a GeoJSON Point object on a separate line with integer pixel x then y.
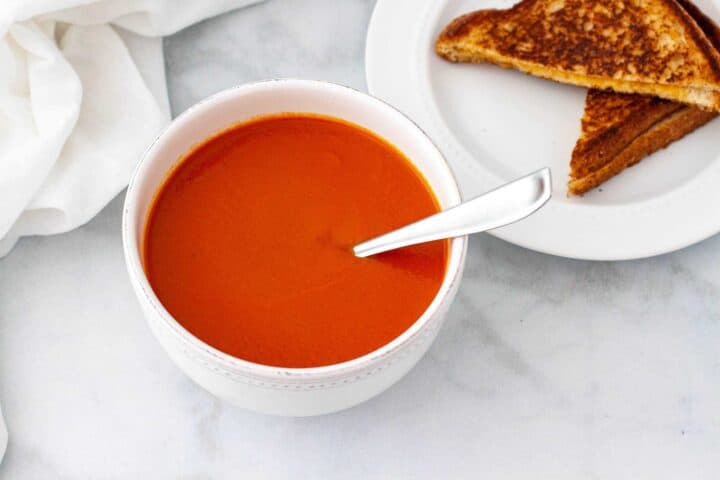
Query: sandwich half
{"type": "Point", "coordinates": [620, 130]}
{"type": "Point", "coordinates": [650, 47]}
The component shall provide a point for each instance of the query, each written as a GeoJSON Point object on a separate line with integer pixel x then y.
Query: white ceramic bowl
{"type": "Point", "coordinates": [288, 391]}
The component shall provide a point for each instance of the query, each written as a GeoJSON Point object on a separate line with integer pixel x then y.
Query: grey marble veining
{"type": "Point", "coordinates": [315, 39]}
{"type": "Point", "coordinates": [545, 368]}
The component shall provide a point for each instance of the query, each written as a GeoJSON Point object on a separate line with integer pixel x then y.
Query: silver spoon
{"type": "Point", "coordinates": [504, 205]}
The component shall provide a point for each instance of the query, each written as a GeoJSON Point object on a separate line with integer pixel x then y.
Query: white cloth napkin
{"type": "Point", "coordinates": [82, 95]}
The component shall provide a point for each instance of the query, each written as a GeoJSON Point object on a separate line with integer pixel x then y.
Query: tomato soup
{"type": "Point", "coordinates": [248, 243]}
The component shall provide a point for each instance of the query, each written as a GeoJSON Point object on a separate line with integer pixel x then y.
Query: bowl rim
{"type": "Point", "coordinates": [145, 293]}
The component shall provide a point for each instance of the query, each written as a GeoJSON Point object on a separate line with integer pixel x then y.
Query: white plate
{"type": "Point", "coordinates": [494, 125]}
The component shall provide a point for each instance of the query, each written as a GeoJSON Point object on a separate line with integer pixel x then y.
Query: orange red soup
{"type": "Point", "coordinates": [248, 243]}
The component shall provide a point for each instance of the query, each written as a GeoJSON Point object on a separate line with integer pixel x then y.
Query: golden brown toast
{"type": "Point", "coordinates": [660, 135]}
{"type": "Point", "coordinates": [650, 47]}
{"type": "Point", "coordinates": [619, 130]}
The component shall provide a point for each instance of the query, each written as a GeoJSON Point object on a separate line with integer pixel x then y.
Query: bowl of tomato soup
{"type": "Point", "coordinates": [238, 231]}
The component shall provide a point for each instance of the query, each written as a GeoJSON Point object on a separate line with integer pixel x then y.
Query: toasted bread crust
{"type": "Point", "coordinates": [651, 47]}
{"type": "Point", "coordinates": [660, 135]}
{"type": "Point", "coordinates": [610, 122]}
{"type": "Point", "coordinates": [710, 52]}
{"type": "Point", "coordinates": [705, 23]}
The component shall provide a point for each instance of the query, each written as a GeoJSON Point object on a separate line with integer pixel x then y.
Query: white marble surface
{"type": "Point", "coordinates": [546, 368]}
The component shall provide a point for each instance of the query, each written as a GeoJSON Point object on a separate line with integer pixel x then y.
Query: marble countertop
{"type": "Point", "coordinates": [546, 367]}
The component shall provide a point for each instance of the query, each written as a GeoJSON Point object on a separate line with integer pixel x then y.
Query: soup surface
{"type": "Point", "coordinates": [249, 241]}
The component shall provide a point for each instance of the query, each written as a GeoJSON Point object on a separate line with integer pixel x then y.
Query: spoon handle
{"type": "Point", "coordinates": [496, 208]}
